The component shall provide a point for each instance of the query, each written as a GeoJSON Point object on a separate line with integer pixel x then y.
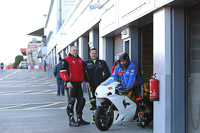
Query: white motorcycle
{"type": "Point", "coordinates": [112, 108]}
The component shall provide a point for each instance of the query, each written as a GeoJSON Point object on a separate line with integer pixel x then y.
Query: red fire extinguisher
{"type": "Point", "coordinates": [154, 90]}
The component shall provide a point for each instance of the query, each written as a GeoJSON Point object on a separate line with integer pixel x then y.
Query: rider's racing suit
{"type": "Point", "coordinates": [130, 78]}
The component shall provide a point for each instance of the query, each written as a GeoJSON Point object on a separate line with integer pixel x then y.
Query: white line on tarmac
{"type": "Point", "coordinates": [34, 109]}
{"type": "Point", "coordinates": [13, 106]}
{"type": "Point", "coordinates": [26, 85]}
{"type": "Point", "coordinates": [44, 105]}
{"type": "Point", "coordinates": [33, 103]}
{"type": "Point", "coordinates": [22, 92]}
{"type": "Point", "coordinates": [10, 74]}
{"type": "Point", "coordinates": [42, 91]}
{"type": "Point", "coordinates": [27, 92]}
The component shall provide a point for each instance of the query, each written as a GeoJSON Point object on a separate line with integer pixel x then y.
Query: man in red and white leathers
{"type": "Point", "coordinates": [72, 72]}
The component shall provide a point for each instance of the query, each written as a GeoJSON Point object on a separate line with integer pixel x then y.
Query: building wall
{"type": "Point", "coordinates": [51, 26]}
{"type": "Point", "coordinates": [63, 10]}
{"type": "Point", "coordinates": [59, 11]}
{"type": "Point", "coordinates": [178, 69]}
{"type": "Point", "coordinates": [66, 7]}
{"type": "Point", "coordinates": [79, 22]}
{"type": "Point", "coordinates": [112, 15]}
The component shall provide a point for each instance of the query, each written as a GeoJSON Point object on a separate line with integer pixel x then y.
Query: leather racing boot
{"type": "Point", "coordinates": [72, 122]}
{"type": "Point", "coordinates": [93, 116]}
{"type": "Point", "coordinates": [81, 121]}
{"type": "Point", "coordinates": [141, 120]}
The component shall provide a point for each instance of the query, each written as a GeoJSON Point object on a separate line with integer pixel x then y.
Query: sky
{"type": "Point", "coordinates": [17, 19]}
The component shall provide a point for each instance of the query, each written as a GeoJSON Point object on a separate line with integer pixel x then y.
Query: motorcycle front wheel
{"type": "Point", "coordinates": [103, 118]}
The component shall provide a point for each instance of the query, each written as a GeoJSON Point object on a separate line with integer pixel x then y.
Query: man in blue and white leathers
{"type": "Point", "coordinates": [126, 70]}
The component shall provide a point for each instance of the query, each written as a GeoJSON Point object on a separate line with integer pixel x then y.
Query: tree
{"type": "Point", "coordinates": [18, 59]}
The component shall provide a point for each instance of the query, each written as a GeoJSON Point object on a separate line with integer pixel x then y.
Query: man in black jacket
{"type": "Point", "coordinates": [97, 71]}
{"type": "Point", "coordinates": [60, 81]}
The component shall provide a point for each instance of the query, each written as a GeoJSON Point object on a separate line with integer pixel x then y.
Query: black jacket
{"type": "Point", "coordinates": [96, 72]}
{"type": "Point", "coordinates": [57, 70]}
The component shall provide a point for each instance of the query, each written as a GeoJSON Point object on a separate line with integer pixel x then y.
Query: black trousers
{"type": "Point", "coordinates": [76, 93]}
{"type": "Point", "coordinates": [44, 67]}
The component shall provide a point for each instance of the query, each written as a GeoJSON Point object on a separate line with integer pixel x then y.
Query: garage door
{"type": "Point", "coordinates": [118, 45]}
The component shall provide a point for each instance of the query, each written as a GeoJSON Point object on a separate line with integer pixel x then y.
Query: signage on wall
{"type": "Point", "coordinates": [32, 46]}
{"type": "Point", "coordinates": [97, 4]}
{"type": "Point", "coordinates": [22, 49]}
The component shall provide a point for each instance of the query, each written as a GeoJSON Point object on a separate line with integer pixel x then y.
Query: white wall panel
{"type": "Point", "coordinates": [112, 15]}
{"type": "Point", "coordinates": [134, 9]}
{"type": "Point", "coordinates": [109, 17]}
{"type": "Point", "coordinates": [159, 3]}
{"type": "Point", "coordinates": [161, 66]}
{"type": "Point", "coordinates": [80, 21]}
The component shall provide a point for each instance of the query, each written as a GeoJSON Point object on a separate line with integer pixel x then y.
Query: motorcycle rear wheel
{"type": "Point", "coordinates": [103, 119]}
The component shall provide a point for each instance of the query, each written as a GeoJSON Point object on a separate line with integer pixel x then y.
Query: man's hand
{"type": "Point", "coordinates": [69, 85]}
{"type": "Point", "coordinates": [122, 90]}
{"type": "Point", "coordinates": [87, 84]}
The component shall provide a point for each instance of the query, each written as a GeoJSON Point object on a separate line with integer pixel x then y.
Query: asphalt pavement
{"type": "Point", "coordinates": [28, 104]}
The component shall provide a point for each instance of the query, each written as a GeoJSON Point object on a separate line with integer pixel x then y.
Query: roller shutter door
{"type": "Point", "coordinates": [118, 45]}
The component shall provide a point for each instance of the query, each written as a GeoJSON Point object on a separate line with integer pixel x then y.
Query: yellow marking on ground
{"type": "Point", "coordinates": [87, 102]}
{"type": "Point", "coordinates": [11, 93]}
{"type": "Point", "coordinates": [13, 106]}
